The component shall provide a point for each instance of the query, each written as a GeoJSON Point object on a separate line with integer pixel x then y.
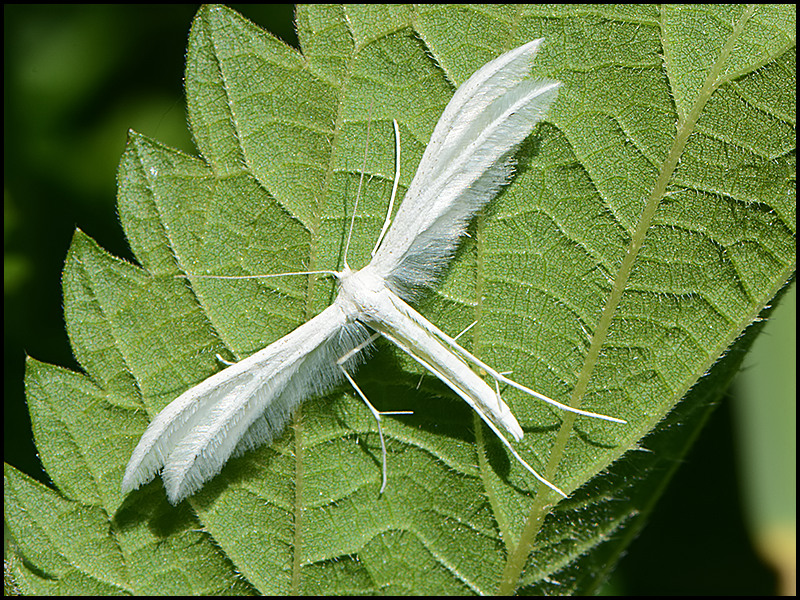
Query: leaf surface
{"type": "Point", "coordinates": [651, 219]}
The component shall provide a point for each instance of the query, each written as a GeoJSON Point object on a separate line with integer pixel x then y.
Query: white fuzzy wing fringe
{"type": "Point", "coordinates": [241, 407]}
{"type": "Point", "coordinates": [464, 165]}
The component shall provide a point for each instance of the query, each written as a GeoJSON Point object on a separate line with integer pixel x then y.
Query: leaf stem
{"type": "Point", "coordinates": [517, 559]}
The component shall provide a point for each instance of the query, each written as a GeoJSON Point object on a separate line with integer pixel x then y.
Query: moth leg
{"type": "Point", "coordinates": [466, 329]}
{"type": "Point", "coordinates": [357, 349]}
{"type": "Point", "coordinates": [225, 362]}
{"type": "Point", "coordinates": [500, 377]}
{"type": "Point", "coordinates": [482, 413]}
{"type": "Point", "coordinates": [375, 412]}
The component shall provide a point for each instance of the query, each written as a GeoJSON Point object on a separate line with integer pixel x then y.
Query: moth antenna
{"type": "Point", "coordinates": [388, 219]}
{"type": "Point", "coordinates": [466, 329]}
{"type": "Point", "coordinates": [334, 273]}
{"type": "Point", "coordinates": [358, 192]}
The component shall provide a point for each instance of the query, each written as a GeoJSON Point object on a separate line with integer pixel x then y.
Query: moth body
{"type": "Point", "coordinates": [380, 309]}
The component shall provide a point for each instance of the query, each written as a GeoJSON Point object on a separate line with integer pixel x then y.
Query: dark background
{"type": "Point", "coordinates": [76, 79]}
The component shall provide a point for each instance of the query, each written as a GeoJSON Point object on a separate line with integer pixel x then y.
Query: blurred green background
{"type": "Point", "coordinates": [78, 77]}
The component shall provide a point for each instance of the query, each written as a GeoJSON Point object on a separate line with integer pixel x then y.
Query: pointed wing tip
{"type": "Point", "coordinates": [549, 86]}
{"type": "Point", "coordinates": [175, 497]}
{"type": "Point", "coordinates": [130, 485]}
{"type": "Point", "coordinates": [177, 489]}
{"type": "Point", "coordinates": [134, 479]}
{"type": "Point", "coordinates": [180, 488]}
{"type": "Point", "coordinates": [534, 43]}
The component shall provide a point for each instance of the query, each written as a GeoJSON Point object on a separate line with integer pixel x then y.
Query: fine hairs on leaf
{"type": "Point", "coordinates": [650, 217]}
{"type": "Point", "coordinates": [466, 162]}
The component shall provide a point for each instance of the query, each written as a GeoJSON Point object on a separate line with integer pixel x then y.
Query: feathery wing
{"type": "Point", "coordinates": [248, 403]}
{"type": "Point", "coordinates": [242, 406]}
{"type": "Point", "coordinates": [465, 163]}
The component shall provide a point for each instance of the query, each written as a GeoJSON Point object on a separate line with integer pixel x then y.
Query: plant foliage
{"type": "Point", "coordinates": [651, 220]}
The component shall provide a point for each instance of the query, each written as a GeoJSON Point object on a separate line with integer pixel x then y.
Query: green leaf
{"type": "Point", "coordinates": [651, 219]}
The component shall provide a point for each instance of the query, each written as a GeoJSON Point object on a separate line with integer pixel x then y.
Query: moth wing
{"type": "Point", "coordinates": [245, 405]}
{"type": "Point", "coordinates": [467, 160]}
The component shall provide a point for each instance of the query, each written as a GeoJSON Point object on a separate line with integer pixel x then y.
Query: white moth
{"type": "Point", "coordinates": [247, 404]}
